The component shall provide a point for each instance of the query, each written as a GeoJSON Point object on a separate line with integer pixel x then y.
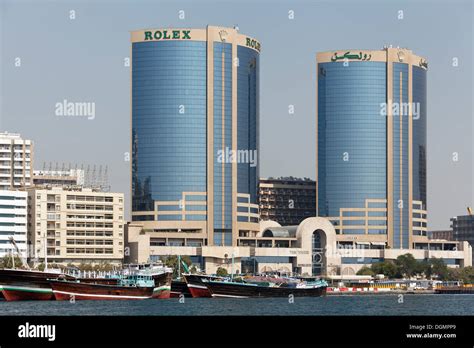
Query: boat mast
{"type": "Point", "coordinates": [13, 259]}
{"type": "Point", "coordinates": [45, 255]}
{"type": "Point", "coordinates": [179, 266]}
{"type": "Point", "coordinates": [232, 269]}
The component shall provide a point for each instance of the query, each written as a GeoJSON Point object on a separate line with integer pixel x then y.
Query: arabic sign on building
{"type": "Point", "coordinates": [348, 55]}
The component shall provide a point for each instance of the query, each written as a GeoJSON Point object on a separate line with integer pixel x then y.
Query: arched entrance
{"type": "Point", "coordinates": [317, 251]}
{"type": "Point", "coordinates": [317, 239]}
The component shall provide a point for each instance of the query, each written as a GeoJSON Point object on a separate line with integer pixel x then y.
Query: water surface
{"type": "Point", "coordinates": [328, 305]}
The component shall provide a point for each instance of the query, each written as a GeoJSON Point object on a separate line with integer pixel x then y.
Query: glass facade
{"type": "Point", "coordinates": [399, 121]}
{"type": "Point", "coordinates": [222, 142]}
{"type": "Point", "coordinates": [170, 136]}
{"type": "Point", "coordinates": [419, 135]}
{"type": "Point", "coordinates": [247, 119]}
{"type": "Point", "coordinates": [169, 131]}
{"type": "Point", "coordinates": [352, 148]}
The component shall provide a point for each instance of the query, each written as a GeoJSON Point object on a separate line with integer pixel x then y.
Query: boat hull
{"type": "Point", "coordinates": [196, 286]}
{"type": "Point", "coordinates": [179, 288]}
{"type": "Point", "coordinates": [25, 285]}
{"type": "Point", "coordinates": [66, 290]}
{"type": "Point", "coordinates": [26, 293]}
{"type": "Point", "coordinates": [237, 290]}
{"type": "Point", "coordinates": [162, 285]}
{"type": "Point", "coordinates": [199, 291]}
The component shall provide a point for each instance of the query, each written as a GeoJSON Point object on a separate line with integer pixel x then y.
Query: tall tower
{"type": "Point", "coordinates": [195, 119]}
{"type": "Point", "coordinates": [371, 148]}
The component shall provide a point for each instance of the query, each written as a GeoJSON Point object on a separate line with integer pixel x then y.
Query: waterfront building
{"type": "Point", "coordinates": [311, 248]}
{"type": "Point", "coordinates": [59, 177]}
{"type": "Point", "coordinates": [16, 161]}
{"type": "Point", "coordinates": [371, 145]}
{"type": "Point", "coordinates": [287, 201]}
{"type": "Point", "coordinates": [13, 222]}
{"type": "Point", "coordinates": [75, 225]}
{"type": "Point", "coordinates": [463, 228]}
{"type": "Point", "coordinates": [195, 119]}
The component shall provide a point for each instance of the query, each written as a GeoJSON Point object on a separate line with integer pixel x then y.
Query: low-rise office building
{"type": "Point", "coordinates": [445, 234]}
{"type": "Point", "coordinates": [76, 225]}
{"type": "Point", "coordinates": [311, 248]}
{"type": "Point", "coordinates": [13, 222]}
{"type": "Point", "coordinates": [287, 201]}
{"type": "Point", "coordinates": [463, 228]}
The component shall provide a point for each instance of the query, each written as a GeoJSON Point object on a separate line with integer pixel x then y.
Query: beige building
{"type": "Point", "coordinates": [16, 161]}
{"type": "Point", "coordinates": [74, 225]}
{"type": "Point", "coordinates": [311, 248]}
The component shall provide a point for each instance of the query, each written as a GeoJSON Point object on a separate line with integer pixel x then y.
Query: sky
{"type": "Point", "coordinates": [46, 56]}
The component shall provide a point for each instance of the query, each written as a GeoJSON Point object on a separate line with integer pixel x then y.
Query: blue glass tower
{"type": "Point", "coordinates": [371, 147]}
{"type": "Point", "coordinates": [195, 122]}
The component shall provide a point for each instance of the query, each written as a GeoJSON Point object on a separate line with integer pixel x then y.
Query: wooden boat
{"type": "Point", "coordinates": [21, 285]}
{"type": "Point", "coordinates": [178, 288]}
{"type": "Point", "coordinates": [18, 284]}
{"type": "Point", "coordinates": [229, 288]}
{"type": "Point", "coordinates": [161, 275]}
{"type": "Point", "coordinates": [196, 286]}
{"type": "Point", "coordinates": [133, 287]}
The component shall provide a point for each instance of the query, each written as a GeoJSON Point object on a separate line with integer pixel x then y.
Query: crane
{"type": "Point", "coordinates": [13, 242]}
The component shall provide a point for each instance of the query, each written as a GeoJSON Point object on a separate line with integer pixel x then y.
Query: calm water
{"type": "Point", "coordinates": [329, 305]}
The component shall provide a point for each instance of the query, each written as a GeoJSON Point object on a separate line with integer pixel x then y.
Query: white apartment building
{"type": "Point", "coordinates": [76, 225]}
{"type": "Point", "coordinates": [13, 222]}
{"type": "Point", "coordinates": [16, 161]}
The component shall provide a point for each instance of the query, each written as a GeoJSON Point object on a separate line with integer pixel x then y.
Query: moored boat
{"type": "Point", "coordinates": [243, 289]}
{"type": "Point", "coordinates": [132, 287]}
{"type": "Point", "coordinates": [179, 288]}
{"type": "Point", "coordinates": [161, 275]}
{"type": "Point", "coordinates": [196, 286]}
{"type": "Point", "coordinates": [21, 285]}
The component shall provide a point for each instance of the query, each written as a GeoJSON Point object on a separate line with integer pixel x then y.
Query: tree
{"type": "Point", "coordinates": [6, 262]}
{"type": "Point", "coordinates": [387, 268]}
{"type": "Point", "coordinates": [438, 268]}
{"type": "Point", "coordinates": [467, 275]}
{"type": "Point", "coordinates": [221, 272]}
{"type": "Point", "coordinates": [172, 261]}
{"type": "Point", "coordinates": [407, 265]}
{"type": "Point", "coordinates": [365, 271]}
{"type": "Point", "coordinates": [85, 267]}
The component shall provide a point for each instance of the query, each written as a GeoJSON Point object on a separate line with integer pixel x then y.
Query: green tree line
{"type": "Point", "coordinates": [406, 266]}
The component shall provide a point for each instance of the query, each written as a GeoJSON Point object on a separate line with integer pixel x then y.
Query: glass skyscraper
{"type": "Point", "coordinates": [195, 122]}
{"type": "Point", "coordinates": [371, 147]}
